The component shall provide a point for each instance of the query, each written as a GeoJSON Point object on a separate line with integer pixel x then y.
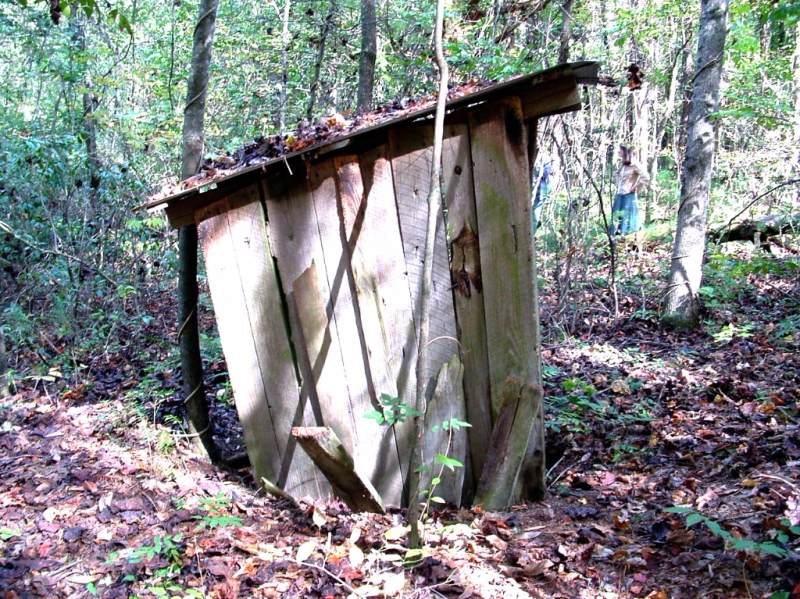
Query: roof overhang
{"type": "Point", "coordinates": [548, 92]}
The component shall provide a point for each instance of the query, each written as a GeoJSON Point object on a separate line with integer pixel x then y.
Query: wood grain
{"type": "Point", "coordinates": [459, 199]}
{"type": "Point", "coordinates": [376, 452]}
{"type": "Point", "coordinates": [411, 156]}
{"type": "Point", "coordinates": [332, 458]}
{"type": "Point", "coordinates": [520, 403]}
{"type": "Point", "coordinates": [248, 307]}
{"type": "Point", "coordinates": [503, 200]}
{"type": "Point", "coordinates": [372, 237]}
{"type": "Point", "coordinates": [447, 403]}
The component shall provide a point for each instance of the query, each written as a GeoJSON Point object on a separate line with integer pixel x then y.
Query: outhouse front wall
{"type": "Point", "coordinates": [316, 275]}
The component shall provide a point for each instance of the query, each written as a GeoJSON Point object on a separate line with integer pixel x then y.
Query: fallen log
{"type": "Point", "coordinates": [330, 456]}
{"type": "Point", "coordinates": [758, 231]}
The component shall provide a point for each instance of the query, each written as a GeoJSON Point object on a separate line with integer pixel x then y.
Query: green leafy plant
{"type": "Point", "coordinates": [9, 533]}
{"type": "Point", "coordinates": [740, 544]}
{"type": "Point", "coordinates": [441, 460]}
{"type": "Point", "coordinates": [392, 411]}
{"type": "Point", "coordinates": [730, 331]}
{"type": "Point", "coordinates": [215, 516]}
{"type": "Point", "coordinates": [167, 547]}
{"type": "Point", "coordinates": [583, 404]}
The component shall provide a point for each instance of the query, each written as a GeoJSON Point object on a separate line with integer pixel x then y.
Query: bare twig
{"type": "Point", "coordinates": [751, 203]}
{"type": "Point", "coordinates": [53, 252]}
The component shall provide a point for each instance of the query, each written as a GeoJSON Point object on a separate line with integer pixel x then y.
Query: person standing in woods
{"type": "Point", "coordinates": [542, 170]}
{"type": "Point", "coordinates": [625, 211]}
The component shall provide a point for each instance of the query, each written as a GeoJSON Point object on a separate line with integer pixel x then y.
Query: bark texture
{"type": "Point", "coordinates": [566, 32]}
{"type": "Point", "coordinates": [681, 304]}
{"type": "Point", "coordinates": [369, 53]}
{"type": "Point", "coordinates": [327, 26]}
{"type": "Point", "coordinates": [188, 337]}
{"type": "Point", "coordinates": [4, 387]}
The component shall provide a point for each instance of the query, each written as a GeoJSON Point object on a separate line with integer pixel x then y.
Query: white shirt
{"type": "Point", "coordinates": [630, 176]}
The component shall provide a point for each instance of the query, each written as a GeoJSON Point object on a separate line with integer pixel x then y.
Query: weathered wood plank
{"type": "Point", "coordinates": [447, 403]}
{"type": "Point", "coordinates": [322, 346]}
{"type": "Point", "coordinates": [294, 238]}
{"type": "Point", "coordinates": [238, 342]}
{"type": "Point", "coordinates": [279, 371]}
{"type": "Point", "coordinates": [394, 307]}
{"type": "Point", "coordinates": [336, 463]}
{"type": "Point", "coordinates": [502, 190]}
{"type": "Point", "coordinates": [376, 452]}
{"type": "Point", "coordinates": [373, 240]}
{"type": "Point", "coordinates": [255, 341]}
{"type": "Point", "coordinates": [459, 199]}
{"type": "Point", "coordinates": [411, 155]}
{"type": "Point", "coordinates": [557, 96]}
{"type": "Point", "coordinates": [532, 481]}
{"type": "Point", "coordinates": [521, 402]}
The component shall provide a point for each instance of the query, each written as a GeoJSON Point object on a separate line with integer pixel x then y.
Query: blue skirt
{"type": "Point", "coordinates": [624, 214]}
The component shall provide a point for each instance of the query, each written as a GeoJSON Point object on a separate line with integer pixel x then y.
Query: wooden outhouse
{"type": "Point", "coordinates": [314, 264]}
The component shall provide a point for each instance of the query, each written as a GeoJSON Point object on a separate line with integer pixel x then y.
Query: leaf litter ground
{"type": "Point", "coordinates": [99, 498]}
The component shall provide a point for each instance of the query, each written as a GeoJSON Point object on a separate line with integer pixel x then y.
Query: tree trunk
{"type": "Point", "coordinates": [188, 336]}
{"type": "Point", "coordinates": [369, 53]}
{"type": "Point", "coordinates": [323, 39]}
{"type": "Point", "coordinates": [4, 386]}
{"type": "Point", "coordinates": [284, 91]}
{"type": "Point", "coordinates": [681, 305]}
{"type": "Point", "coordinates": [796, 88]}
{"type": "Point", "coordinates": [566, 32]}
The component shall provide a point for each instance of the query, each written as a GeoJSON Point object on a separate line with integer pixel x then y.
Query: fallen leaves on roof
{"type": "Point", "coordinates": [308, 135]}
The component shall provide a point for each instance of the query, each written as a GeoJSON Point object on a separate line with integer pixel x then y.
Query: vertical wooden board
{"type": "Point", "coordinates": [459, 199]}
{"type": "Point", "coordinates": [372, 236]}
{"type": "Point", "coordinates": [322, 346]}
{"type": "Point", "coordinates": [502, 195]}
{"type": "Point", "coordinates": [381, 232]}
{"type": "Point", "coordinates": [376, 453]}
{"type": "Point", "coordinates": [447, 403]}
{"type": "Point", "coordinates": [294, 238]}
{"type": "Point", "coordinates": [411, 156]}
{"type": "Point", "coordinates": [264, 308]}
{"type": "Point", "coordinates": [367, 251]}
{"type": "Point", "coordinates": [238, 344]}
{"type": "Point", "coordinates": [533, 478]}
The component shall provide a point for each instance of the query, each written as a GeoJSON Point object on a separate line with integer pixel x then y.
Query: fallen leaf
{"type": "Point", "coordinates": [319, 517]}
{"type": "Point", "coordinates": [396, 533]}
{"type": "Point", "coordinates": [305, 550]}
{"type": "Point", "coordinates": [355, 555]}
{"type": "Point", "coordinates": [394, 584]}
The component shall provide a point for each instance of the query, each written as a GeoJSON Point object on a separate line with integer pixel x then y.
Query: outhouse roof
{"type": "Point", "coordinates": [543, 93]}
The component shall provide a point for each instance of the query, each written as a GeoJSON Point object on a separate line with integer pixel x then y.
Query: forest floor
{"type": "Point", "coordinates": [100, 497]}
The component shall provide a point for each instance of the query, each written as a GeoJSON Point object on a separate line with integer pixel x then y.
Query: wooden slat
{"type": "Point", "coordinates": [327, 369]}
{"type": "Point", "coordinates": [248, 307]}
{"type": "Point", "coordinates": [376, 452]}
{"type": "Point", "coordinates": [332, 458]}
{"type": "Point", "coordinates": [502, 190]}
{"type": "Point", "coordinates": [507, 449]}
{"type": "Point", "coordinates": [294, 238]}
{"type": "Point", "coordinates": [411, 155]}
{"type": "Point", "coordinates": [393, 292]}
{"type": "Point", "coordinates": [459, 198]}
{"type": "Point", "coordinates": [372, 236]}
{"type": "Point", "coordinates": [557, 96]}
{"type": "Point", "coordinates": [447, 403]}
